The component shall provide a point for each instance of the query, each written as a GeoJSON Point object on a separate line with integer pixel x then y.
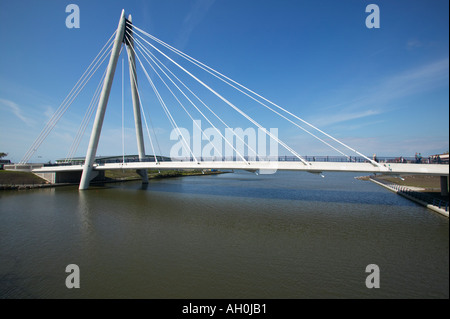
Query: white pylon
{"type": "Point", "coordinates": [87, 175]}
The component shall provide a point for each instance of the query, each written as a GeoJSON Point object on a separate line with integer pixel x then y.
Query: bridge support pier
{"type": "Point", "coordinates": [444, 185]}
{"type": "Point", "coordinates": [102, 103]}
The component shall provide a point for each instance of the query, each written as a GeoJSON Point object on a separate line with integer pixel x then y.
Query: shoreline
{"type": "Point", "coordinates": [19, 187]}
{"type": "Point", "coordinates": [410, 192]}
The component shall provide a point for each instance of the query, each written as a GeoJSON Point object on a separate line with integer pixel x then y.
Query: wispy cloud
{"type": "Point", "coordinates": [48, 112]}
{"type": "Point", "coordinates": [16, 110]}
{"type": "Point", "coordinates": [379, 98]}
{"type": "Point", "coordinates": [192, 19]}
{"type": "Point", "coordinates": [348, 116]}
{"type": "Point", "coordinates": [421, 79]}
{"type": "Point", "coordinates": [413, 43]}
{"type": "Point", "coordinates": [358, 125]}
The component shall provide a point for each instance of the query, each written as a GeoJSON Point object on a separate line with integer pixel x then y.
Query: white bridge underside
{"type": "Point", "coordinates": [313, 167]}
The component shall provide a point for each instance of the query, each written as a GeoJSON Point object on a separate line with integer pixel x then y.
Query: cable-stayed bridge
{"type": "Point", "coordinates": [142, 49]}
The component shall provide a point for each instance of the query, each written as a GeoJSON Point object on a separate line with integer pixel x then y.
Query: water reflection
{"type": "Point", "coordinates": [83, 210]}
{"type": "Point", "coordinates": [227, 236]}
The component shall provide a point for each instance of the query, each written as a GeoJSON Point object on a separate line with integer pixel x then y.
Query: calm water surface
{"type": "Point", "coordinates": [287, 235]}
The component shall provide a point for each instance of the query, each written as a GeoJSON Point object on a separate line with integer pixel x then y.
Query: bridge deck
{"type": "Point", "coordinates": [268, 166]}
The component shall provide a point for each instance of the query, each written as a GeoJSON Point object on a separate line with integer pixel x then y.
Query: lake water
{"type": "Point", "coordinates": [287, 235]}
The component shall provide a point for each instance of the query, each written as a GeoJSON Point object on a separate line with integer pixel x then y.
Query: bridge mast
{"type": "Point", "coordinates": [136, 103]}
{"type": "Point", "coordinates": [104, 96]}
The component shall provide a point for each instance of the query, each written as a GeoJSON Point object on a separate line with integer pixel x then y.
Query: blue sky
{"type": "Point", "coordinates": [383, 91]}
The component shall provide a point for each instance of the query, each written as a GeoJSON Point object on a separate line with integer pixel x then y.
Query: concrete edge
{"type": "Point", "coordinates": [418, 201]}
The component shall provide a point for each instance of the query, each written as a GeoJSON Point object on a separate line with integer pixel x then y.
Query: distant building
{"type": "Point", "coordinates": [4, 162]}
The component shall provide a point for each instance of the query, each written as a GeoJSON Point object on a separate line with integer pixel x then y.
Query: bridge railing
{"type": "Point", "coordinates": [282, 158]}
{"type": "Point", "coordinates": [321, 158]}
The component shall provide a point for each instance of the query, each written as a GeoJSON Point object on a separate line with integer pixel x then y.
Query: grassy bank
{"type": "Point", "coordinates": [20, 178]}
{"type": "Point", "coordinates": [430, 185]}
{"type": "Point", "coordinates": [132, 175]}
